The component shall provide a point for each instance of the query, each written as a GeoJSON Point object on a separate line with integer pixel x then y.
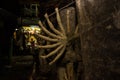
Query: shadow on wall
{"type": "Point", "coordinates": [8, 22]}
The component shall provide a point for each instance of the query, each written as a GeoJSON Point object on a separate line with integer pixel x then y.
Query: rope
{"type": "Point", "coordinates": [62, 8]}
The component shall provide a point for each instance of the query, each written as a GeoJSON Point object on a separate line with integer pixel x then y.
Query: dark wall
{"type": "Point", "coordinates": [8, 22]}
{"type": "Point", "coordinates": [10, 5]}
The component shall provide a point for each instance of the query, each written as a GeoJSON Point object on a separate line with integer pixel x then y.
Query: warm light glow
{"type": "Point", "coordinates": [32, 29]}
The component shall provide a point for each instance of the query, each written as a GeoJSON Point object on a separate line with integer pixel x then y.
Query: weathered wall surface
{"type": "Point", "coordinates": [100, 42]}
